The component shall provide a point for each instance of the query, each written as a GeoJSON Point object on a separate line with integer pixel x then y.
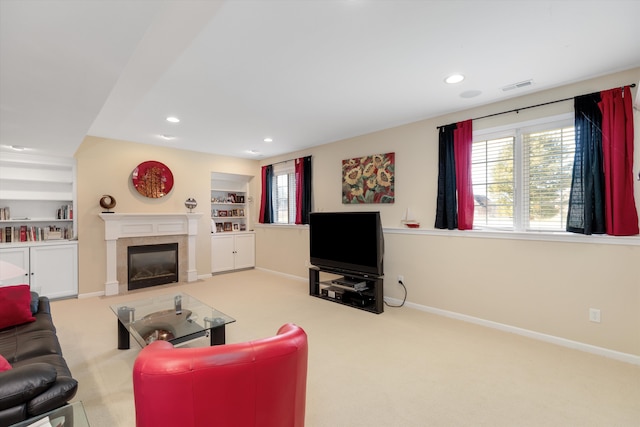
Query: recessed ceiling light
{"type": "Point", "coordinates": [254, 152]}
{"type": "Point", "coordinates": [172, 119]}
{"type": "Point", "coordinates": [17, 147]}
{"type": "Point", "coordinates": [167, 137]}
{"type": "Point", "coordinates": [268, 139]}
{"type": "Point", "coordinates": [454, 78]}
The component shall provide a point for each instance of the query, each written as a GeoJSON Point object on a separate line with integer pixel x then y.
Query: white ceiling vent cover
{"type": "Point", "coordinates": [518, 85]}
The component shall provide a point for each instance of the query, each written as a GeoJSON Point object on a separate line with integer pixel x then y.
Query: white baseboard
{"type": "Point", "coordinates": [600, 351]}
{"type": "Point", "coordinates": [279, 273]}
{"type": "Point", "coordinates": [91, 295]}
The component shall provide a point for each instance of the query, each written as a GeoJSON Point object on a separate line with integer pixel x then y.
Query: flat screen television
{"type": "Point", "coordinates": [347, 242]}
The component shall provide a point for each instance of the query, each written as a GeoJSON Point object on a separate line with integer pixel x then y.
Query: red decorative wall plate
{"type": "Point", "coordinates": [152, 179]}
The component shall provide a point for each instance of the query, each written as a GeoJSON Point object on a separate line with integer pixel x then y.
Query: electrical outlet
{"type": "Point", "coordinates": [400, 278]}
{"type": "Point", "coordinates": [594, 315]}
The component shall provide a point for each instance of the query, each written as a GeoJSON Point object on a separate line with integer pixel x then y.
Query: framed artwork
{"type": "Point", "coordinates": [231, 198]}
{"type": "Point", "coordinates": [239, 198]}
{"type": "Point", "coordinates": [235, 212]}
{"type": "Point", "coordinates": [152, 179]}
{"type": "Point", "coordinates": [222, 213]}
{"type": "Point", "coordinates": [219, 228]}
{"type": "Point", "coordinates": [369, 179]}
{"type": "Point", "coordinates": [243, 227]}
{"type": "Point", "coordinates": [236, 226]}
{"type": "Point", "coordinates": [240, 212]}
{"type": "Point", "coordinates": [228, 226]}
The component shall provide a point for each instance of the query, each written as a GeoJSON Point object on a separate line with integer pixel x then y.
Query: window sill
{"type": "Point", "coordinates": [296, 226]}
{"type": "Point", "coordinates": [598, 239]}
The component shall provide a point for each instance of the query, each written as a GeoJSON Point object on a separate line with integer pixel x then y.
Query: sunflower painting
{"type": "Point", "coordinates": [368, 179]}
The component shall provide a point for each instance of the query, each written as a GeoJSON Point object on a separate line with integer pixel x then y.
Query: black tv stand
{"type": "Point", "coordinates": [356, 290]}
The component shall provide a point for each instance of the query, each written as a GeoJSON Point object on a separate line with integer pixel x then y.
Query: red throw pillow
{"type": "Point", "coordinates": [15, 305]}
{"type": "Point", "coordinates": [4, 365]}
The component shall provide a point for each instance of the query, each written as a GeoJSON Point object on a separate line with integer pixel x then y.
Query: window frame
{"type": "Point", "coordinates": [516, 130]}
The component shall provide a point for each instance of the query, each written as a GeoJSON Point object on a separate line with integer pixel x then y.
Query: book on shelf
{"type": "Point", "coordinates": [5, 214]}
{"type": "Point", "coordinates": [65, 212]}
{"type": "Point", "coordinates": [24, 233]}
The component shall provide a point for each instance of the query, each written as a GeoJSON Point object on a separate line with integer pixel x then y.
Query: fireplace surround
{"type": "Point", "coordinates": [144, 228]}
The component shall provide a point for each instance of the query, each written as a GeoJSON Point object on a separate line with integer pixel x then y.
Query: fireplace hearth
{"type": "Point", "coordinates": [152, 265]}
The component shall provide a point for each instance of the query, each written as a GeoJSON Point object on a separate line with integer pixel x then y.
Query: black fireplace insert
{"type": "Point", "coordinates": [152, 265]}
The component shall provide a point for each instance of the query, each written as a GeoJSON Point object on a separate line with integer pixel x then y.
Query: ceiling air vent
{"type": "Point", "coordinates": [518, 85]}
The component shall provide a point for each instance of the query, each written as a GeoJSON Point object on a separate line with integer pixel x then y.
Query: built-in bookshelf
{"type": "Point", "coordinates": [37, 222]}
{"type": "Point", "coordinates": [37, 198]}
{"type": "Point", "coordinates": [232, 238]}
{"type": "Point", "coordinates": [229, 202]}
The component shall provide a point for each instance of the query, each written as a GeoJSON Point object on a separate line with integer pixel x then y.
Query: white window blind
{"type": "Point", "coordinates": [284, 192]}
{"type": "Point", "coordinates": [492, 169]}
{"type": "Point", "coordinates": [522, 177]}
{"type": "Point", "coordinates": [547, 172]}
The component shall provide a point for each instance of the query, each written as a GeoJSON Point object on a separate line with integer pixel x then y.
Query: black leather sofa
{"type": "Point", "coordinates": [39, 379]}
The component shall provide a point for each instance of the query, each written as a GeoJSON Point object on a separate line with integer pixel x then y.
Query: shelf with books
{"type": "Point", "coordinates": [37, 198]}
{"type": "Point", "coordinates": [34, 233]}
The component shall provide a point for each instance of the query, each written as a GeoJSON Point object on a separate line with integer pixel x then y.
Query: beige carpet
{"type": "Point", "coordinates": [401, 368]}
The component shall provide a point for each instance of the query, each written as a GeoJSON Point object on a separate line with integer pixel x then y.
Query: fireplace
{"type": "Point", "coordinates": [129, 229]}
{"type": "Point", "coordinates": [152, 265]}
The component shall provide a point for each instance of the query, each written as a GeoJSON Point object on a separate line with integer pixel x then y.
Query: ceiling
{"type": "Point", "coordinates": [303, 73]}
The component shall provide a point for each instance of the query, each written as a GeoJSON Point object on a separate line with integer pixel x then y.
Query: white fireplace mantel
{"type": "Point", "coordinates": [122, 225]}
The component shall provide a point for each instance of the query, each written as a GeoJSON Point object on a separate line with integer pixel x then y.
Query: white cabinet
{"type": "Point", "coordinates": [20, 258]}
{"type": "Point", "coordinates": [232, 251]}
{"type": "Point", "coordinates": [245, 250]}
{"type": "Point", "coordinates": [52, 269]}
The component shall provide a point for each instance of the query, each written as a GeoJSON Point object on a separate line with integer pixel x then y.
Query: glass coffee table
{"type": "Point", "coordinates": [71, 415]}
{"type": "Point", "coordinates": [176, 318]}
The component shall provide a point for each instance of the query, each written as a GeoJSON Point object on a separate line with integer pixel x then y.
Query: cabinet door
{"type": "Point", "coordinates": [20, 258]}
{"type": "Point", "coordinates": [54, 270]}
{"type": "Point", "coordinates": [245, 251]}
{"type": "Point", "coordinates": [222, 253]}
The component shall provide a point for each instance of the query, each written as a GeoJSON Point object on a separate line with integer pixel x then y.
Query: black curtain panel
{"type": "Point", "coordinates": [446, 209]}
{"type": "Point", "coordinates": [303, 190]}
{"type": "Point", "coordinates": [266, 201]}
{"type": "Point", "coordinates": [586, 201]}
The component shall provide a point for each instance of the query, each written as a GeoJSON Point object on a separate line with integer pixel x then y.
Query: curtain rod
{"type": "Point", "coordinates": [285, 161]}
{"type": "Point", "coordinates": [517, 110]}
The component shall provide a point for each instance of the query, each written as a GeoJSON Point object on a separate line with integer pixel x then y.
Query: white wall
{"type": "Point", "coordinates": [543, 286]}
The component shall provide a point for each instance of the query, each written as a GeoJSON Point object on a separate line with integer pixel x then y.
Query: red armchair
{"type": "Point", "coordinates": [261, 383]}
